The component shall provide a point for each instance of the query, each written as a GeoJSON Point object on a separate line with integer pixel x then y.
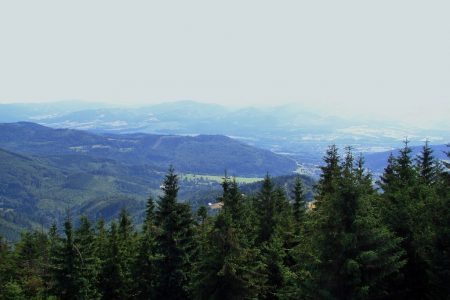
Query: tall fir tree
{"type": "Point", "coordinates": [67, 265]}
{"type": "Point", "coordinates": [266, 202]}
{"type": "Point", "coordinates": [427, 165]}
{"type": "Point", "coordinates": [230, 267]}
{"type": "Point", "coordinates": [128, 247]}
{"type": "Point", "coordinates": [299, 203]}
{"type": "Point", "coordinates": [112, 280]}
{"type": "Point", "coordinates": [439, 248]}
{"type": "Point", "coordinates": [84, 244]}
{"type": "Point", "coordinates": [145, 270]}
{"type": "Point", "coordinates": [357, 252]}
{"type": "Point", "coordinates": [176, 242]}
{"type": "Point", "coordinates": [403, 211]}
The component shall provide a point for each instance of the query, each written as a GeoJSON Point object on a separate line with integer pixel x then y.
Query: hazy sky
{"type": "Point", "coordinates": [385, 58]}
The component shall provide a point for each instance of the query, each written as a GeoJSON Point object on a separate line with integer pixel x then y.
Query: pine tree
{"type": "Point", "coordinates": [67, 265]}
{"type": "Point", "coordinates": [330, 174]}
{"type": "Point", "coordinates": [299, 203]}
{"type": "Point", "coordinates": [277, 251]}
{"type": "Point", "coordinates": [128, 247]}
{"type": "Point", "coordinates": [266, 210]}
{"type": "Point", "coordinates": [230, 267]}
{"type": "Point", "coordinates": [54, 246]}
{"type": "Point", "coordinates": [176, 242]}
{"type": "Point", "coordinates": [387, 179]}
{"type": "Point", "coordinates": [428, 167]}
{"type": "Point", "coordinates": [439, 248]}
{"type": "Point", "coordinates": [357, 252]}
{"type": "Point", "coordinates": [84, 244]}
{"type": "Point", "coordinates": [404, 210]}
{"type": "Point", "coordinates": [6, 267]}
{"type": "Point", "coordinates": [113, 281]}
{"type": "Point", "coordinates": [145, 274]}
{"type": "Point", "coordinates": [202, 215]}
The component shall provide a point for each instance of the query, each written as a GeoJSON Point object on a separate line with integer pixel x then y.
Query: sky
{"type": "Point", "coordinates": [380, 59]}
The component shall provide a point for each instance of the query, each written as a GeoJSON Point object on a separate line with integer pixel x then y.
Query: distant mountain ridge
{"type": "Point", "coordinates": [202, 154]}
{"type": "Point", "coordinates": [287, 129]}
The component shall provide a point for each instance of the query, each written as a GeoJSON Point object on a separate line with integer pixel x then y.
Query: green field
{"type": "Point", "coordinates": [217, 178]}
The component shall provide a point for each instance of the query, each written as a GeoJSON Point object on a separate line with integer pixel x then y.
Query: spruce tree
{"type": "Point", "coordinates": [428, 167]}
{"type": "Point", "coordinates": [113, 282]}
{"type": "Point", "coordinates": [84, 244]}
{"type": "Point", "coordinates": [387, 178]}
{"type": "Point", "coordinates": [128, 247]}
{"type": "Point", "coordinates": [176, 242]}
{"type": "Point", "coordinates": [6, 266]}
{"type": "Point", "coordinates": [404, 210]}
{"type": "Point", "coordinates": [145, 274]}
{"type": "Point", "coordinates": [67, 265]}
{"type": "Point", "coordinates": [266, 210]}
{"type": "Point", "coordinates": [439, 254]}
{"type": "Point", "coordinates": [299, 203]}
{"type": "Point", "coordinates": [231, 268]}
{"type": "Point", "coordinates": [357, 253]}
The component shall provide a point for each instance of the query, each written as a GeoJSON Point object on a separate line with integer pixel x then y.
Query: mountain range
{"type": "Point", "coordinates": [93, 159]}
{"type": "Point", "coordinates": [44, 172]}
{"type": "Point", "coordinates": [301, 133]}
{"type": "Point", "coordinates": [199, 154]}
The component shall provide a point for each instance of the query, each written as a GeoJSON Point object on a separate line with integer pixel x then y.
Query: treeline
{"type": "Point", "coordinates": [353, 242]}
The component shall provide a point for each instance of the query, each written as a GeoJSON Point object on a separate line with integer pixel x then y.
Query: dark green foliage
{"type": "Point", "coordinates": [84, 244]}
{"type": "Point", "coordinates": [6, 270]}
{"type": "Point", "coordinates": [146, 272]}
{"type": "Point", "coordinates": [176, 242]}
{"type": "Point", "coordinates": [113, 281]}
{"type": "Point", "coordinates": [356, 252]}
{"type": "Point", "coordinates": [299, 203]}
{"type": "Point", "coordinates": [428, 167]}
{"type": "Point", "coordinates": [230, 268]}
{"type": "Point", "coordinates": [415, 205]}
{"type": "Point", "coordinates": [67, 267]}
{"type": "Point", "coordinates": [266, 206]}
{"type": "Point", "coordinates": [356, 243]}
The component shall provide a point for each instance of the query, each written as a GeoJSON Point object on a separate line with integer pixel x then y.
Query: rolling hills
{"type": "Point", "coordinates": [200, 154]}
{"type": "Point", "coordinates": [45, 172]}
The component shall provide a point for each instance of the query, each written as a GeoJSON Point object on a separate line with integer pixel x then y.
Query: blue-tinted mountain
{"type": "Point", "coordinates": [287, 129]}
{"type": "Point", "coordinates": [202, 154]}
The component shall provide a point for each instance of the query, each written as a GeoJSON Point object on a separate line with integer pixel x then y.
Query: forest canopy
{"type": "Point", "coordinates": [357, 240]}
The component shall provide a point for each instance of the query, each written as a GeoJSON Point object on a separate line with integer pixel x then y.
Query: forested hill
{"type": "Point", "coordinates": [354, 243]}
{"type": "Point", "coordinates": [45, 171]}
{"type": "Point", "coordinates": [201, 154]}
{"type": "Point", "coordinates": [34, 191]}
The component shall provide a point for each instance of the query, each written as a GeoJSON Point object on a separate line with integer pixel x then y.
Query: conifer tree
{"type": "Point", "coordinates": [29, 256]}
{"type": "Point", "coordinates": [330, 174]}
{"type": "Point", "coordinates": [276, 251]}
{"type": "Point", "coordinates": [67, 265]}
{"type": "Point", "coordinates": [145, 274]}
{"type": "Point", "coordinates": [387, 178]}
{"type": "Point", "coordinates": [6, 266]}
{"type": "Point", "coordinates": [357, 252]}
{"type": "Point", "coordinates": [84, 244]}
{"type": "Point", "coordinates": [299, 202]}
{"type": "Point", "coordinates": [202, 215]}
{"type": "Point", "coordinates": [230, 267]}
{"type": "Point", "coordinates": [176, 243]}
{"type": "Point", "coordinates": [403, 209]}
{"type": "Point", "coordinates": [439, 255]}
{"type": "Point", "coordinates": [54, 246]}
{"type": "Point", "coordinates": [127, 243]}
{"type": "Point", "coordinates": [428, 167]}
{"type": "Point", "coordinates": [266, 210]}
{"type": "Point", "coordinates": [113, 282]}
